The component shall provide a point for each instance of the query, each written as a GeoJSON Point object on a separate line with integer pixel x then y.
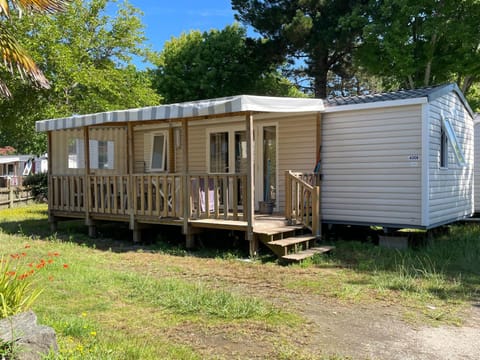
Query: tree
{"type": "Point", "coordinates": [87, 54]}
{"type": "Point", "coordinates": [321, 34]}
{"type": "Point", "coordinates": [420, 43]}
{"type": "Point", "coordinates": [214, 64]}
{"type": "Point", "coordinates": [14, 56]}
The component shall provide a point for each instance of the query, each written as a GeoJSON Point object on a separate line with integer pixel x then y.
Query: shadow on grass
{"type": "Point", "coordinates": [117, 237]}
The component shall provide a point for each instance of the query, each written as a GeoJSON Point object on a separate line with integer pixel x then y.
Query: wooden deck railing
{"type": "Point", "coordinates": [158, 195]}
{"type": "Point", "coordinates": [302, 199]}
{"type": "Point", "coordinates": [218, 196]}
{"type": "Point", "coordinates": [108, 194]}
{"type": "Point", "coordinates": [66, 193]}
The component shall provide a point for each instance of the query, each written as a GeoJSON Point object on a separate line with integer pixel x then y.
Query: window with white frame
{"type": "Point", "coordinates": [158, 152]}
{"type": "Point", "coordinates": [448, 136]}
{"type": "Point", "coordinates": [76, 150]}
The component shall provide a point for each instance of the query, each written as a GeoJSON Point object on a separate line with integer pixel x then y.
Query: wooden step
{"type": "Point", "coordinates": [291, 244]}
{"type": "Point", "coordinates": [292, 240]}
{"type": "Point", "coordinates": [302, 255]}
{"type": "Point", "coordinates": [278, 230]}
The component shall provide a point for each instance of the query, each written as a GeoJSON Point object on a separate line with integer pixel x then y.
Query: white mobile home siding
{"type": "Point", "coordinates": [296, 148]}
{"type": "Point", "coordinates": [450, 189]}
{"type": "Point", "coordinates": [477, 165]}
{"type": "Point", "coordinates": [371, 173]}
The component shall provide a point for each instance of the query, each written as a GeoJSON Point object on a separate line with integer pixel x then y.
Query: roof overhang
{"type": "Point", "coordinates": [202, 108]}
{"type": "Point", "coordinates": [377, 105]}
{"type": "Point", "coordinates": [9, 159]}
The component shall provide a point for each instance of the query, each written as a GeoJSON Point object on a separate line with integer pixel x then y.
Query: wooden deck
{"type": "Point", "coordinates": [192, 201]}
{"type": "Point", "coordinates": [263, 224]}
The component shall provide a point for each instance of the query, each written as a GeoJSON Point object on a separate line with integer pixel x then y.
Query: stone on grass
{"type": "Point", "coordinates": [31, 341]}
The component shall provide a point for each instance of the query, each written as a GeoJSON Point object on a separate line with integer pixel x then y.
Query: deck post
{"type": "Point", "coordinates": [136, 232]}
{"type": "Point", "coordinates": [86, 182]}
{"type": "Point", "coordinates": [92, 228]}
{"type": "Point", "coordinates": [316, 222]}
{"type": "Point", "coordinates": [51, 218]}
{"type": "Point", "coordinates": [288, 197]}
{"type": "Point", "coordinates": [130, 181]}
{"type": "Point", "coordinates": [250, 208]}
{"type": "Point", "coordinates": [189, 237]}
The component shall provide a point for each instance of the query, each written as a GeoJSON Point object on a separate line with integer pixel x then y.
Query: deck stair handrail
{"type": "Point", "coordinates": [302, 200]}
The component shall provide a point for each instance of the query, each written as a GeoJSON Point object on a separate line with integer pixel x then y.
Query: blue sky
{"type": "Point", "coordinates": [164, 19]}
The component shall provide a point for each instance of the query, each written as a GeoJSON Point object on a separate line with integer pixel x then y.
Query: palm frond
{"type": "Point", "coordinates": [16, 59]}
{"type": "Point", "coordinates": [4, 90]}
{"type": "Point", "coordinates": [48, 6]}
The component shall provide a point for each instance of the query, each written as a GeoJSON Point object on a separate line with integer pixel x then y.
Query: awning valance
{"type": "Point", "coordinates": [234, 104]}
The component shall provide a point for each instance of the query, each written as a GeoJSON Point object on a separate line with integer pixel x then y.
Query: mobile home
{"type": "Point", "coordinates": [401, 159]}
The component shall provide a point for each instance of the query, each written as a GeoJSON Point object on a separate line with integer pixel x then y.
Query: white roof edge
{"type": "Point", "coordinates": [377, 104]}
{"type": "Point", "coordinates": [5, 159]}
{"type": "Point", "coordinates": [476, 119]}
{"type": "Point", "coordinates": [218, 106]}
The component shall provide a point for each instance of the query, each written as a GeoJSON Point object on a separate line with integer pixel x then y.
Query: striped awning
{"type": "Point", "coordinates": [220, 106]}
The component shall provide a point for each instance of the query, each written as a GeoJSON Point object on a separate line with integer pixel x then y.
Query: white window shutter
{"type": "Point", "coordinates": [93, 154]}
{"type": "Point", "coordinates": [80, 145]}
{"type": "Point", "coordinates": [110, 154]}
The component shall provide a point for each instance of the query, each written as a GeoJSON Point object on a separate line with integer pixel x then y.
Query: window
{"type": "Point", "coordinates": [443, 148]}
{"type": "Point", "coordinates": [447, 135]}
{"type": "Point", "coordinates": [102, 154]}
{"type": "Point", "coordinates": [76, 154]}
{"type": "Point", "coordinates": [158, 154]}
{"type": "Point", "coordinates": [219, 152]}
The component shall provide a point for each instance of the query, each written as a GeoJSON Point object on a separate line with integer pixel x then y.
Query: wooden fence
{"type": "Point", "coordinates": [11, 196]}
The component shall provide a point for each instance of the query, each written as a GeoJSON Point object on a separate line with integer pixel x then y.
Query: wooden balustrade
{"type": "Point", "coordinates": [108, 194]}
{"type": "Point", "coordinates": [218, 196]}
{"type": "Point", "coordinates": [302, 200]}
{"type": "Point", "coordinates": [158, 195]}
{"type": "Point", "coordinates": [67, 193]}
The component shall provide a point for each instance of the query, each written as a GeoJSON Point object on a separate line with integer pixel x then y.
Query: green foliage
{"type": "Point", "coordinates": [38, 184]}
{"type": "Point", "coordinates": [87, 53]}
{"type": "Point", "coordinates": [321, 34]}
{"type": "Point", "coordinates": [195, 299]}
{"type": "Point", "coordinates": [17, 293]}
{"type": "Point", "coordinates": [213, 64]}
{"type": "Point", "coordinates": [413, 44]}
{"type": "Point", "coordinates": [473, 97]}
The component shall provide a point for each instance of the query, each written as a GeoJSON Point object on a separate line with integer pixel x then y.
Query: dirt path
{"type": "Point", "coordinates": [355, 330]}
{"type": "Point", "coordinates": [366, 332]}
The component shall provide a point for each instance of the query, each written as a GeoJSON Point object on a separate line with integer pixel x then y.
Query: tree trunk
{"type": "Point", "coordinates": [319, 72]}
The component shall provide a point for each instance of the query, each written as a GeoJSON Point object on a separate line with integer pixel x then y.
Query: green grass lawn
{"type": "Point", "coordinates": [148, 303]}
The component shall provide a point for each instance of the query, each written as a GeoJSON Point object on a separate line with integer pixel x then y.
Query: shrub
{"type": "Point", "coordinates": [38, 185]}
